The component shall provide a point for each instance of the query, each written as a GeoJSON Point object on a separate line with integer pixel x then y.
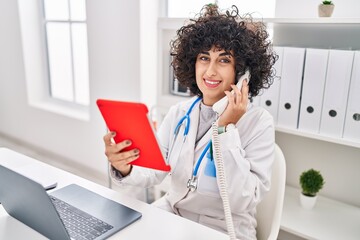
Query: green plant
{"type": "Point", "coordinates": [311, 181]}
{"type": "Point", "coordinates": [325, 2]}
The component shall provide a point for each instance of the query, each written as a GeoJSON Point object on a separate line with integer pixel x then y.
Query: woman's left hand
{"type": "Point", "coordinates": [238, 101]}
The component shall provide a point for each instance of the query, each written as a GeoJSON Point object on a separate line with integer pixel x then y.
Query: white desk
{"type": "Point", "coordinates": [154, 223]}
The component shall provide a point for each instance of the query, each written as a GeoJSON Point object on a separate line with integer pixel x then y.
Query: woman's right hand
{"type": "Point", "coordinates": [116, 155]}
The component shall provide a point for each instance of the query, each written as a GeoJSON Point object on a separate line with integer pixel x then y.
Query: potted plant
{"type": "Point", "coordinates": [326, 8]}
{"type": "Point", "coordinates": [311, 181]}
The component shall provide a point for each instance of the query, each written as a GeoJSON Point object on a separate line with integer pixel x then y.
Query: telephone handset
{"type": "Point", "coordinates": [220, 105]}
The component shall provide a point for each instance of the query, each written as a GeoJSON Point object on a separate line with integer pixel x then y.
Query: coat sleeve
{"type": "Point", "coordinates": [248, 154]}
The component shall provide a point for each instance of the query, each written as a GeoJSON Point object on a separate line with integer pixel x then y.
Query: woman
{"type": "Point", "coordinates": [209, 55]}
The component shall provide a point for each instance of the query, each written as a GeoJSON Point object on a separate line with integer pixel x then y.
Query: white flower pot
{"type": "Point", "coordinates": [325, 10]}
{"type": "Point", "coordinates": [307, 202]}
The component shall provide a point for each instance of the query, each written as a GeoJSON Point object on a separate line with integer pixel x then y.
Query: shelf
{"type": "Point", "coordinates": [330, 33]}
{"type": "Point", "coordinates": [329, 219]}
{"type": "Point", "coordinates": [311, 20]}
{"type": "Point", "coordinates": [175, 23]}
{"type": "Point", "coordinates": [318, 136]}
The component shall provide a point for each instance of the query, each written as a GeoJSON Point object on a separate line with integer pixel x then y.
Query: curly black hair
{"type": "Point", "coordinates": [246, 39]}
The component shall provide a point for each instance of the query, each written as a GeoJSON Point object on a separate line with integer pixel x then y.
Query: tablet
{"type": "Point", "coordinates": [130, 121]}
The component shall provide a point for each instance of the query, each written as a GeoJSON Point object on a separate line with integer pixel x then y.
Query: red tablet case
{"type": "Point", "coordinates": [130, 122]}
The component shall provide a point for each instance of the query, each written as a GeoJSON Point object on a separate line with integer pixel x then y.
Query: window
{"type": "Point", "coordinates": [66, 50]}
{"type": "Point", "coordinates": [187, 8]}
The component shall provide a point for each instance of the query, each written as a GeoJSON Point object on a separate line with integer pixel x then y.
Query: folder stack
{"type": "Point", "coordinates": [318, 91]}
{"type": "Point", "coordinates": [270, 98]}
{"type": "Point", "coordinates": [313, 89]}
{"type": "Point", "coordinates": [352, 118]}
{"type": "Point", "coordinates": [290, 87]}
{"type": "Point", "coordinates": [336, 92]}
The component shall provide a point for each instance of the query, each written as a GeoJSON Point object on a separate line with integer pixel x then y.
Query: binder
{"type": "Point", "coordinates": [336, 92]}
{"type": "Point", "coordinates": [313, 89]}
{"type": "Point", "coordinates": [270, 98]}
{"type": "Point", "coordinates": [290, 87]}
{"type": "Point", "coordinates": [352, 117]}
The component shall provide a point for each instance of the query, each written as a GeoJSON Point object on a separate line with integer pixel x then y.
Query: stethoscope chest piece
{"type": "Point", "coordinates": [192, 183]}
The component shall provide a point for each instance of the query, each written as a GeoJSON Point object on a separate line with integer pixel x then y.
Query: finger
{"type": "Point", "coordinates": [133, 158]}
{"type": "Point", "coordinates": [122, 156]}
{"type": "Point", "coordinates": [235, 89]}
{"type": "Point", "coordinates": [121, 145]}
{"type": "Point", "coordinates": [129, 154]}
{"type": "Point", "coordinates": [236, 94]}
{"type": "Point", "coordinates": [116, 148]}
{"type": "Point", "coordinates": [124, 162]}
{"type": "Point", "coordinates": [242, 95]}
{"type": "Point", "coordinates": [245, 87]}
{"type": "Point", "coordinates": [230, 97]}
{"type": "Point", "coordinates": [245, 92]}
{"type": "Point", "coordinates": [107, 138]}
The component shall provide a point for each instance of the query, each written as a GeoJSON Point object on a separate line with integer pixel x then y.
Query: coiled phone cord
{"type": "Point", "coordinates": [222, 181]}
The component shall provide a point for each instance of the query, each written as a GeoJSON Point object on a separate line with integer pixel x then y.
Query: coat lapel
{"type": "Point", "coordinates": [186, 159]}
{"type": "Point", "coordinates": [204, 140]}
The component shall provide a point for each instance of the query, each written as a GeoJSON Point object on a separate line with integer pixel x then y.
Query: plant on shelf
{"type": "Point", "coordinates": [326, 8]}
{"type": "Point", "coordinates": [311, 182]}
{"type": "Point", "coordinates": [327, 3]}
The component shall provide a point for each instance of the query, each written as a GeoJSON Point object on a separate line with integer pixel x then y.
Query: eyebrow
{"type": "Point", "coordinates": [221, 54]}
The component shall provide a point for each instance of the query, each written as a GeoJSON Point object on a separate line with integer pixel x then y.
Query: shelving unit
{"type": "Point", "coordinates": [330, 219]}
{"type": "Point", "coordinates": [304, 32]}
{"type": "Point", "coordinates": [319, 137]}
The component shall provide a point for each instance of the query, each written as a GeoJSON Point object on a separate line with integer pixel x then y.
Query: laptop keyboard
{"type": "Point", "coordinates": [79, 224]}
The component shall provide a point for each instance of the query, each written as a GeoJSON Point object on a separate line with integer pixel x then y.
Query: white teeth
{"type": "Point", "coordinates": [212, 82]}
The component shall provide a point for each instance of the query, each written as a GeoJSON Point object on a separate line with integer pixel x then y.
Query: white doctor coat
{"type": "Point", "coordinates": [248, 153]}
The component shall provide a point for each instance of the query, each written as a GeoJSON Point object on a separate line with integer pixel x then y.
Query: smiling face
{"type": "Point", "coordinates": [215, 72]}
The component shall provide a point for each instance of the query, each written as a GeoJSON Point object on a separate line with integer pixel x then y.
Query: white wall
{"type": "Point", "coordinates": [149, 12]}
{"type": "Point", "coordinates": [309, 8]}
{"type": "Point", "coordinates": [114, 63]}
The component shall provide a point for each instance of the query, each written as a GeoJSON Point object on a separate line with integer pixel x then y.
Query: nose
{"type": "Point", "coordinates": [211, 70]}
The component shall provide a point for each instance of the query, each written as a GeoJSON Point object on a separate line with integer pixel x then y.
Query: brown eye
{"type": "Point", "coordinates": [225, 60]}
{"type": "Point", "coordinates": [203, 58]}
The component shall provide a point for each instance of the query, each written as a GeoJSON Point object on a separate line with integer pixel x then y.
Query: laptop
{"type": "Point", "coordinates": [55, 215]}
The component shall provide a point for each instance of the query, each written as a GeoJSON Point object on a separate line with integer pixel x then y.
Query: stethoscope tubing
{"type": "Point", "coordinates": [196, 169]}
{"type": "Point", "coordinates": [185, 120]}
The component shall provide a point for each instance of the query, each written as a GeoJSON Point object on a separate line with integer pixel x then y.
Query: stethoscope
{"type": "Point", "coordinates": [192, 182]}
{"type": "Point", "coordinates": [185, 120]}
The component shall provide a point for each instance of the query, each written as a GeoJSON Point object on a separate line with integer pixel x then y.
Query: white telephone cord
{"type": "Point", "coordinates": [222, 181]}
